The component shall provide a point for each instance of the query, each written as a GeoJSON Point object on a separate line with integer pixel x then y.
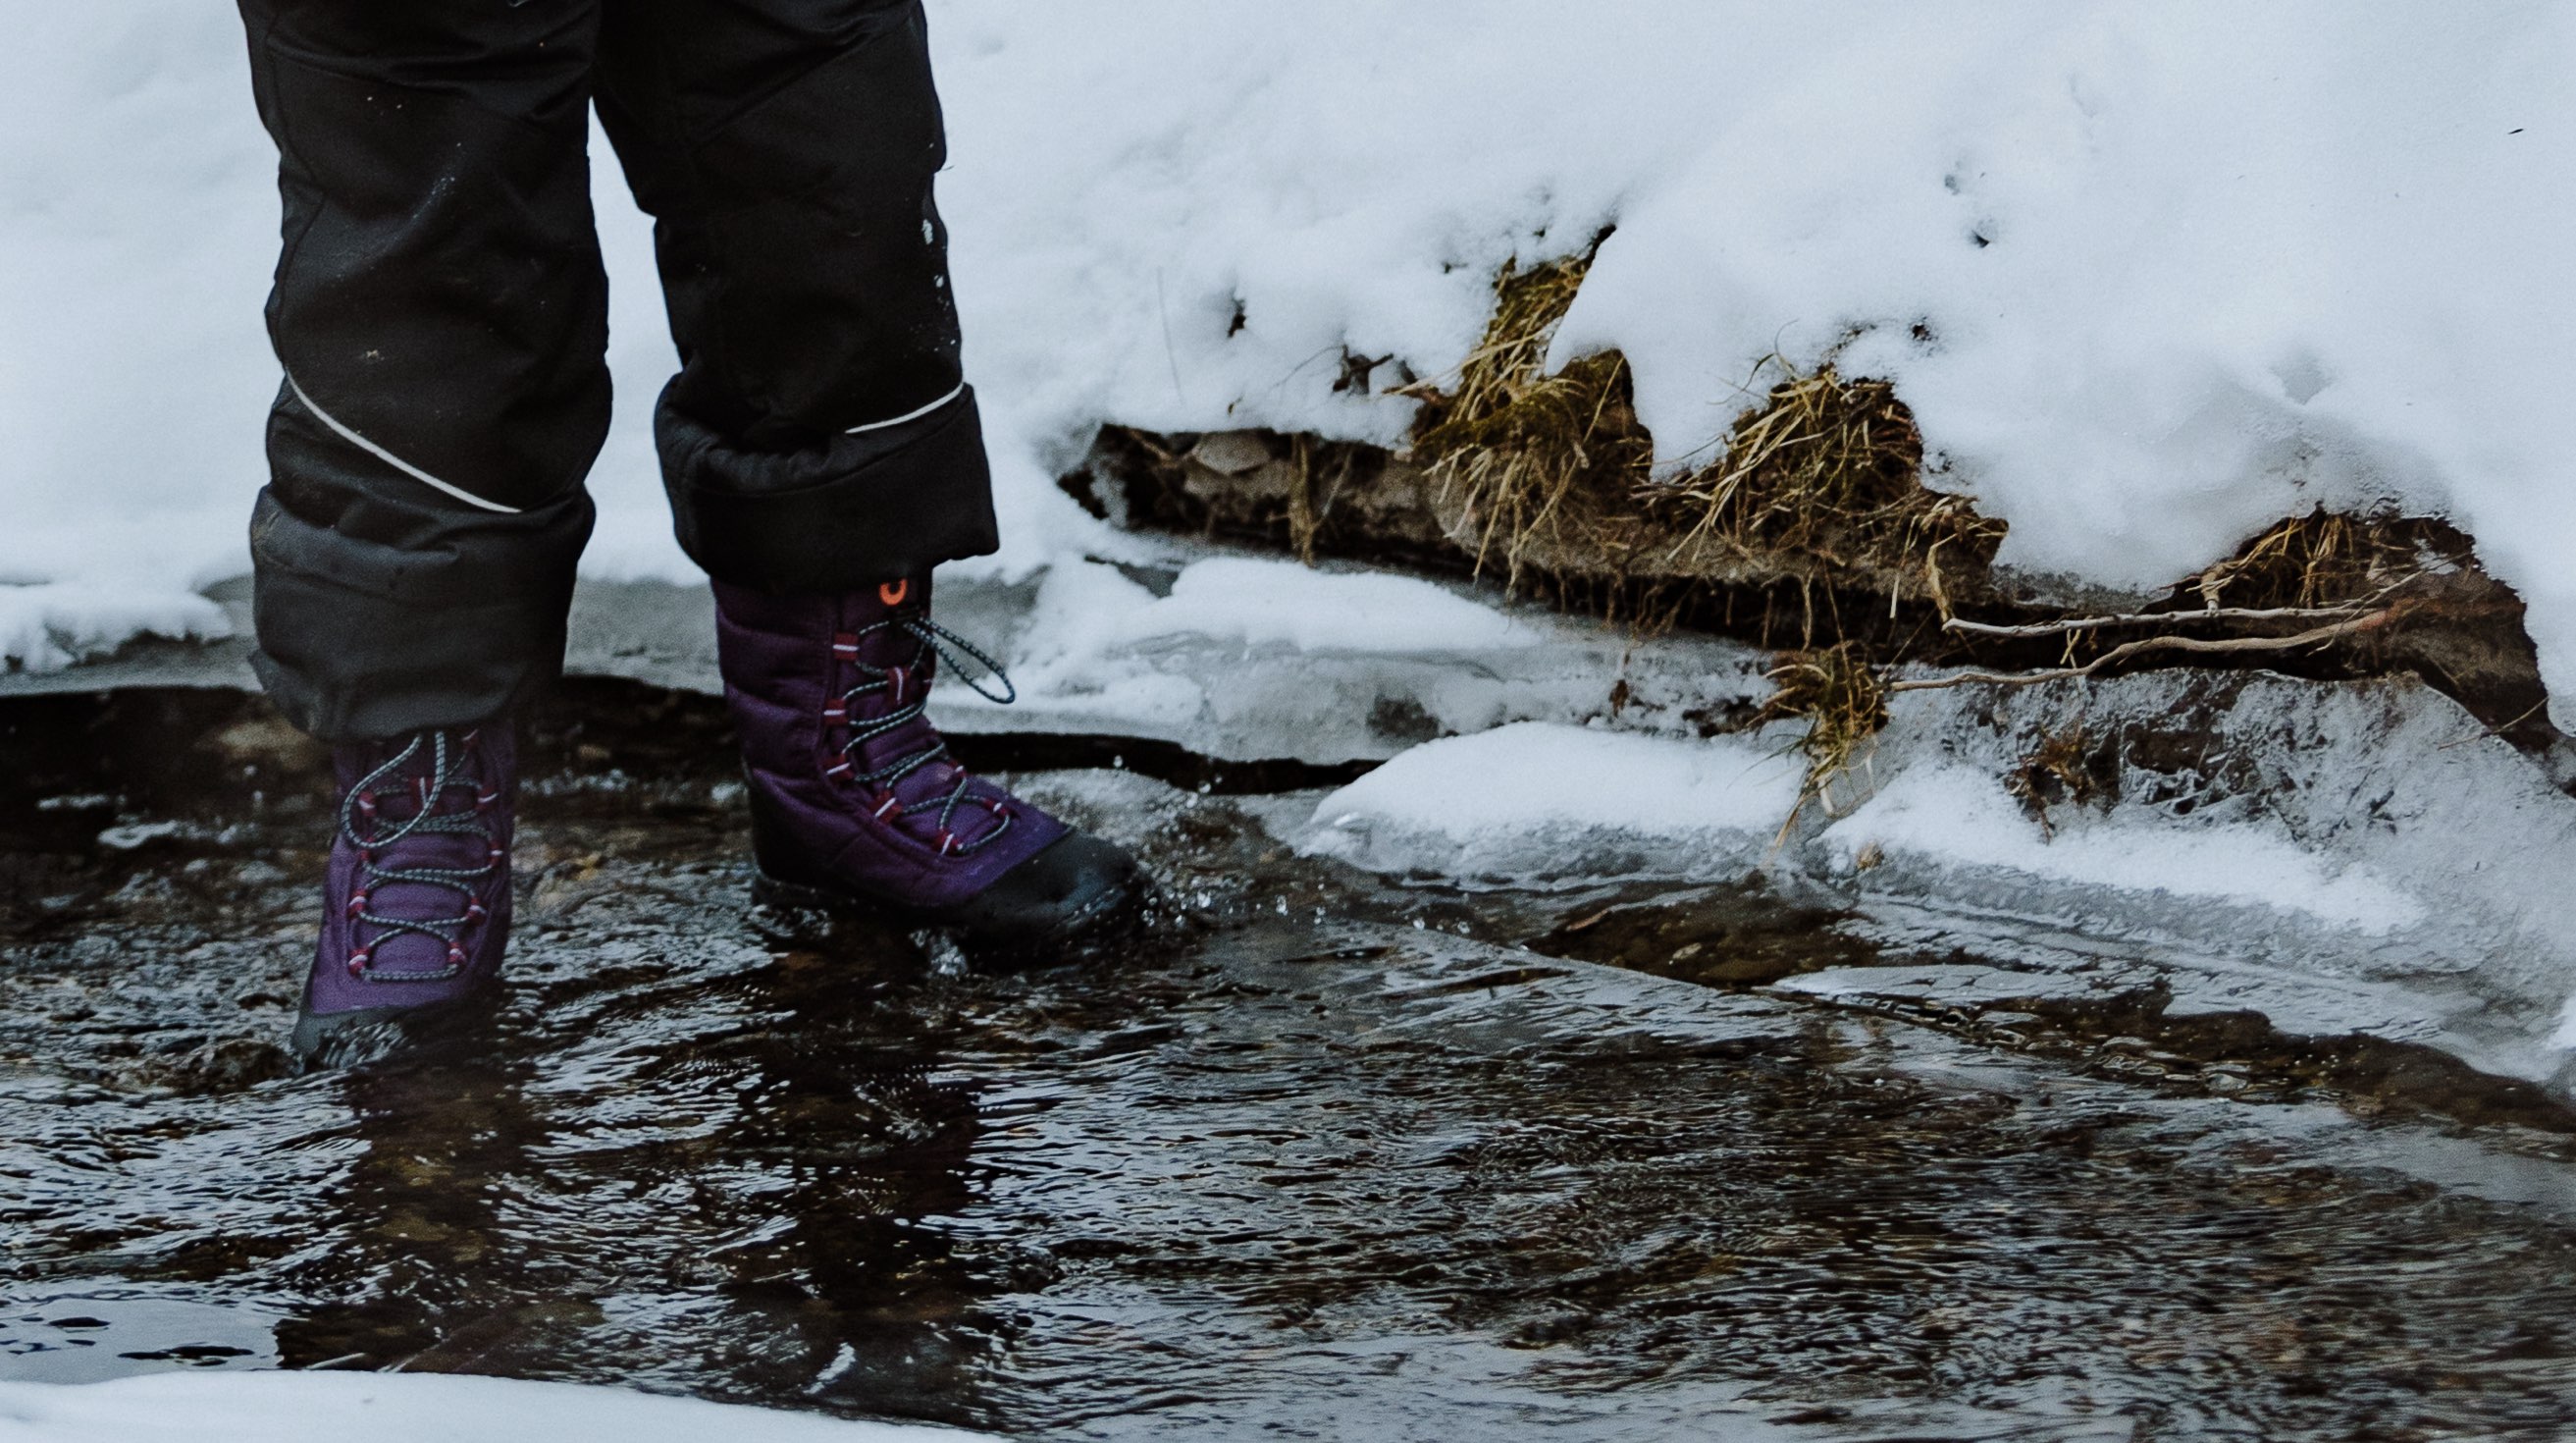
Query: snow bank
{"type": "Point", "coordinates": [2150, 278]}
{"type": "Point", "coordinates": [1537, 800]}
{"type": "Point", "coordinates": [251, 1407]}
{"type": "Point", "coordinates": [46, 627]}
{"type": "Point", "coordinates": [1262, 602]}
{"type": "Point", "coordinates": [136, 204]}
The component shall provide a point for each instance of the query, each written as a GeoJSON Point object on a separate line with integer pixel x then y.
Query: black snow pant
{"type": "Point", "coordinates": [441, 314]}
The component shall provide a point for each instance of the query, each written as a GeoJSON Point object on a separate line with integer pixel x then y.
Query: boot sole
{"type": "Point", "coordinates": [1081, 936]}
{"type": "Point", "coordinates": [365, 1034]}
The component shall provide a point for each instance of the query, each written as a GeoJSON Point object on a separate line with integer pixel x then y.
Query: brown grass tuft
{"type": "Point", "coordinates": [1542, 465]}
{"type": "Point", "coordinates": [2325, 558]}
{"type": "Point", "coordinates": [2070, 765]}
{"type": "Point", "coordinates": [1831, 469]}
{"type": "Point", "coordinates": [1822, 481]}
{"type": "Point", "coordinates": [1844, 702]}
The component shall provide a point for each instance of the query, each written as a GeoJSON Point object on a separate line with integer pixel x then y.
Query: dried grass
{"type": "Point", "coordinates": [2071, 766]}
{"type": "Point", "coordinates": [1831, 469]}
{"type": "Point", "coordinates": [1541, 464]}
{"type": "Point", "coordinates": [1843, 700]}
{"type": "Point", "coordinates": [2325, 558]}
{"type": "Point", "coordinates": [1822, 481]}
{"type": "Point", "coordinates": [1320, 471]}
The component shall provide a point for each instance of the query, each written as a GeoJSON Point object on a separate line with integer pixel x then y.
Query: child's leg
{"type": "Point", "coordinates": [819, 436]}
{"type": "Point", "coordinates": [441, 316]}
{"type": "Point", "coordinates": [823, 454]}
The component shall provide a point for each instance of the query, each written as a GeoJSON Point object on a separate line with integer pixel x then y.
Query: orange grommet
{"type": "Point", "coordinates": [892, 593]}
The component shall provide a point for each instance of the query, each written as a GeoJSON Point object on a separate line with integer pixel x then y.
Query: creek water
{"type": "Point", "coordinates": [1333, 1157]}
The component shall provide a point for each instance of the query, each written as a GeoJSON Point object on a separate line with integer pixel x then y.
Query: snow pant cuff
{"type": "Point", "coordinates": [865, 508]}
{"type": "Point", "coordinates": [360, 640]}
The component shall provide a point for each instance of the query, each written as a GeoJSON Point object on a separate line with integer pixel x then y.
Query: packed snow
{"type": "Point", "coordinates": [1280, 602]}
{"type": "Point", "coordinates": [2339, 857]}
{"type": "Point", "coordinates": [326, 1407]}
{"type": "Point", "coordinates": [1244, 658]}
{"type": "Point", "coordinates": [1538, 800]}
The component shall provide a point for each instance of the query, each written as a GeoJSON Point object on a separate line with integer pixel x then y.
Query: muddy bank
{"type": "Point", "coordinates": [2447, 623]}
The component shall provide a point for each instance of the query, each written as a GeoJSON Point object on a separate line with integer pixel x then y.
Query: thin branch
{"type": "Point", "coordinates": [2147, 646]}
{"type": "Point", "coordinates": [2154, 618]}
{"type": "Point", "coordinates": [2498, 730]}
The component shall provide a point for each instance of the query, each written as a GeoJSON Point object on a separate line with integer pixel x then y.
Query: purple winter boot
{"type": "Point", "coordinates": [417, 898]}
{"type": "Point", "coordinates": [856, 804]}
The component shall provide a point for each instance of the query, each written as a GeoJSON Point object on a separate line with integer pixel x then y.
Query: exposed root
{"type": "Point", "coordinates": [2085, 625]}
{"type": "Point", "coordinates": [2148, 646]}
{"type": "Point", "coordinates": [2339, 577]}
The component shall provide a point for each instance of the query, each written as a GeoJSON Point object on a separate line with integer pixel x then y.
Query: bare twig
{"type": "Point", "coordinates": [2147, 646]}
{"type": "Point", "coordinates": [2485, 733]}
{"type": "Point", "coordinates": [2072, 625]}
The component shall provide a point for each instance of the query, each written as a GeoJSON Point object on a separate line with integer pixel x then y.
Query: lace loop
{"type": "Point", "coordinates": [361, 807]}
{"type": "Point", "coordinates": [930, 640]}
{"type": "Point", "coordinates": [931, 634]}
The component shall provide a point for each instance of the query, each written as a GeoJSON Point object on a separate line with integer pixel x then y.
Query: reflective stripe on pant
{"type": "Point", "coordinates": [441, 315]}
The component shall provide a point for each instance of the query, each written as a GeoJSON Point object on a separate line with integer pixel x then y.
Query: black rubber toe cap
{"type": "Point", "coordinates": [1077, 887]}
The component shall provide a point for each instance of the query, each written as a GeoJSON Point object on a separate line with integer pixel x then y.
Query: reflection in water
{"type": "Point", "coordinates": [741, 1157]}
{"type": "Point", "coordinates": [1329, 1176]}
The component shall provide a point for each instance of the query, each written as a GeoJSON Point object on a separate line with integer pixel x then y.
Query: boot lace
{"type": "Point", "coordinates": [361, 824]}
{"type": "Point", "coordinates": [906, 685]}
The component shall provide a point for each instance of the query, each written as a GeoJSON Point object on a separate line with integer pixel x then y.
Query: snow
{"type": "Point", "coordinates": [1250, 659]}
{"type": "Point", "coordinates": [1294, 660]}
{"type": "Point", "coordinates": [136, 204]}
{"type": "Point", "coordinates": [46, 627]}
{"type": "Point", "coordinates": [1087, 611]}
{"type": "Point", "coordinates": [2235, 264]}
{"type": "Point", "coordinates": [1538, 800]}
{"type": "Point", "coordinates": [305, 1407]}
{"type": "Point", "coordinates": [2338, 857]}
{"type": "Point", "coordinates": [1261, 602]}
{"type": "Point", "coordinates": [2150, 278]}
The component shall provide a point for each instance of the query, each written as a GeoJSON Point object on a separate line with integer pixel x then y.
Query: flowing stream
{"type": "Point", "coordinates": [1337, 1157]}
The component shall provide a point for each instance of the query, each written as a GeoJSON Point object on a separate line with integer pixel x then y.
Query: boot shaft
{"type": "Point", "coordinates": [839, 686]}
{"type": "Point", "coordinates": [803, 651]}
